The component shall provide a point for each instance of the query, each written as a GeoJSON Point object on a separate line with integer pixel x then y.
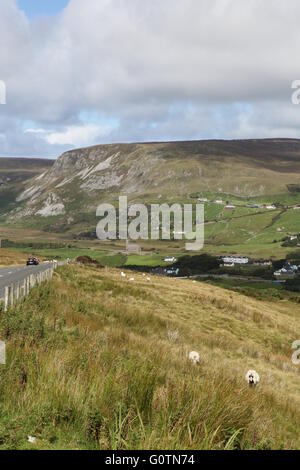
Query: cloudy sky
{"type": "Point", "coordinates": [98, 71]}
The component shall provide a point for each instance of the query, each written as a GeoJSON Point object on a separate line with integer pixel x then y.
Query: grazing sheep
{"type": "Point", "coordinates": [144, 274]}
{"type": "Point", "coordinates": [31, 439]}
{"type": "Point", "coordinates": [123, 274]}
{"type": "Point", "coordinates": [131, 279]}
{"type": "Point", "coordinates": [252, 378]}
{"type": "Point", "coordinates": [148, 279]}
{"type": "Point", "coordinates": [194, 357]}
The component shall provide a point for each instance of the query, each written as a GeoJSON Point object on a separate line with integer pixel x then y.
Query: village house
{"type": "Point", "coordinates": [202, 199]}
{"type": "Point", "coordinates": [262, 262]}
{"type": "Point", "coordinates": [133, 248]}
{"type": "Point", "coordinates": [232, 260]}
{"type": "Point", "coordinates": [170, 259]}
{"type": "Point", "coordinates": [288, 271]}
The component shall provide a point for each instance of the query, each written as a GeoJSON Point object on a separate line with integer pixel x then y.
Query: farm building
{"type": "Point", "coordinates": [133, 248]}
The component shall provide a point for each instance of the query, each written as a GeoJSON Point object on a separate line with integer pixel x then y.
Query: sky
{"type": "Point", "coordinates": [36, 8]}
{"type": "Point", "coordinates": [80, 73]}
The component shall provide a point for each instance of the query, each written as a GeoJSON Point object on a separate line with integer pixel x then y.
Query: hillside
{"type": "Point", "coordinates": [251, 175]}
{"type": "Point", "coordinates": [14, 175]}
{"type": "Point", "coordinates": [96, 361]}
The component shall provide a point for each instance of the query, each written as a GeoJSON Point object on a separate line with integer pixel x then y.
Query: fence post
{"type": "Point", "coordinates": [17, 292]}
{"type": "Point", "coordinates": [6, 298]}
{"type": "Point", "coordinates": [12, 295]}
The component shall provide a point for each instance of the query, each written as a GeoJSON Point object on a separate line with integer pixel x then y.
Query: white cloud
{"type": "Point", "coordinates": [171, 69]}
{"type": "Point", "coordinates": [78, 136]}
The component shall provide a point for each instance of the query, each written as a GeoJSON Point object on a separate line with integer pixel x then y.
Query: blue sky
{"type": "Point", "coordinates": [35, 8]}
{"type": "Point", "coordinates": [126, 70]}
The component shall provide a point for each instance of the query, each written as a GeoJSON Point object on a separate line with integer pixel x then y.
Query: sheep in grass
{"type": "Point", "coordinates": [194, 357]}
{"type": "Point", "coordinates": [31, 439]}
{"type": "Point", "coordinates": [252, 378]}
{"type": "Point", "coordinates": [123, 274]}
{"type": "Point", "coordinates": [131, 279]}
{"type": "Point", "coordinates": [148, 279]}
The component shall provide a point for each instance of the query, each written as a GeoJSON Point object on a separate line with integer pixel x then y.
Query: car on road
{"type": "Point", "coordinates": [32, 261]}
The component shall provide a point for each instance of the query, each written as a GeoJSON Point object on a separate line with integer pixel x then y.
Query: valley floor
{"type": "Point", "coordinates": [95, 361]}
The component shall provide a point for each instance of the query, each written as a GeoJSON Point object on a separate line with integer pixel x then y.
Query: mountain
{"type": "Point", "coordinates": [14, 175]}
{"type": "Point", "coordinates": [65, 197]}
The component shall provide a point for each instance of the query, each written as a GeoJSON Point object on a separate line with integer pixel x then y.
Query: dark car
{"type": "Point", "coordinates": [32, 261]}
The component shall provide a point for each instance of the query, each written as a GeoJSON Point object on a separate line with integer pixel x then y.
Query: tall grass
{"type": "Point", "coordinates": [90, 366]}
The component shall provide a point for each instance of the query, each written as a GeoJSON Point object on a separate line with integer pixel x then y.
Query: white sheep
{"type": "Point", "coordinates": [131, 279]}
{"type": "Point", "coordinates": [252, 378]}
{"type": "Point", "coordinates": [148, 279]}
{"type": "Point", "coordinates": [194, 357]}
{"type": "Point", "coordinates": [31, 439]}
{"type": "Point", "coordinates": [123, 274]}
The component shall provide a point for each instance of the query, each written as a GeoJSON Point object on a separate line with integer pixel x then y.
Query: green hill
{"type": "Point", "coordinates": [248, 174]}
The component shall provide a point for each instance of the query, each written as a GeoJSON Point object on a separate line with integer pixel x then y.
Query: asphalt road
{"type": "Point", "coordinates": [15, 274]}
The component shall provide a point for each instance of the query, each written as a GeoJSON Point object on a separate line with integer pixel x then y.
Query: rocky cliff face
{"type": "Point", "coordinates": [81, 179]}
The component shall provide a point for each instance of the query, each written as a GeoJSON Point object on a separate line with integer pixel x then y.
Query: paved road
{"type": "Point", "coordinates": [14, 274]}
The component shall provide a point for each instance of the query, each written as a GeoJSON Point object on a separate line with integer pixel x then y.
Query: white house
{"type": "Point", "coordinates": [170, 259]}
{"type": "Point", "coordinates": [287, 272]}
{"type": "Point", "coordinates": [232, 260]}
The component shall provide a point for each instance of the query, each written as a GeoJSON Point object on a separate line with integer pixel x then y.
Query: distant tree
{"type": "Point", "coordinates": [293, 284]}
{"type": "Point", "coordinates": [198, 264]}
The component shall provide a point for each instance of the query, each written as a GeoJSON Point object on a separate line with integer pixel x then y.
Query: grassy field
{"type": "Point", "coordinates": [262, 290]}
{"type": "Point", "coordinates": [98, 362]}
{"type": "Point", "coordinates": [12, 257]}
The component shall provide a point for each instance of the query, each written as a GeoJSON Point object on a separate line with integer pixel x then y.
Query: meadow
{"type": "Point", "coordinates": [97, 362]}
